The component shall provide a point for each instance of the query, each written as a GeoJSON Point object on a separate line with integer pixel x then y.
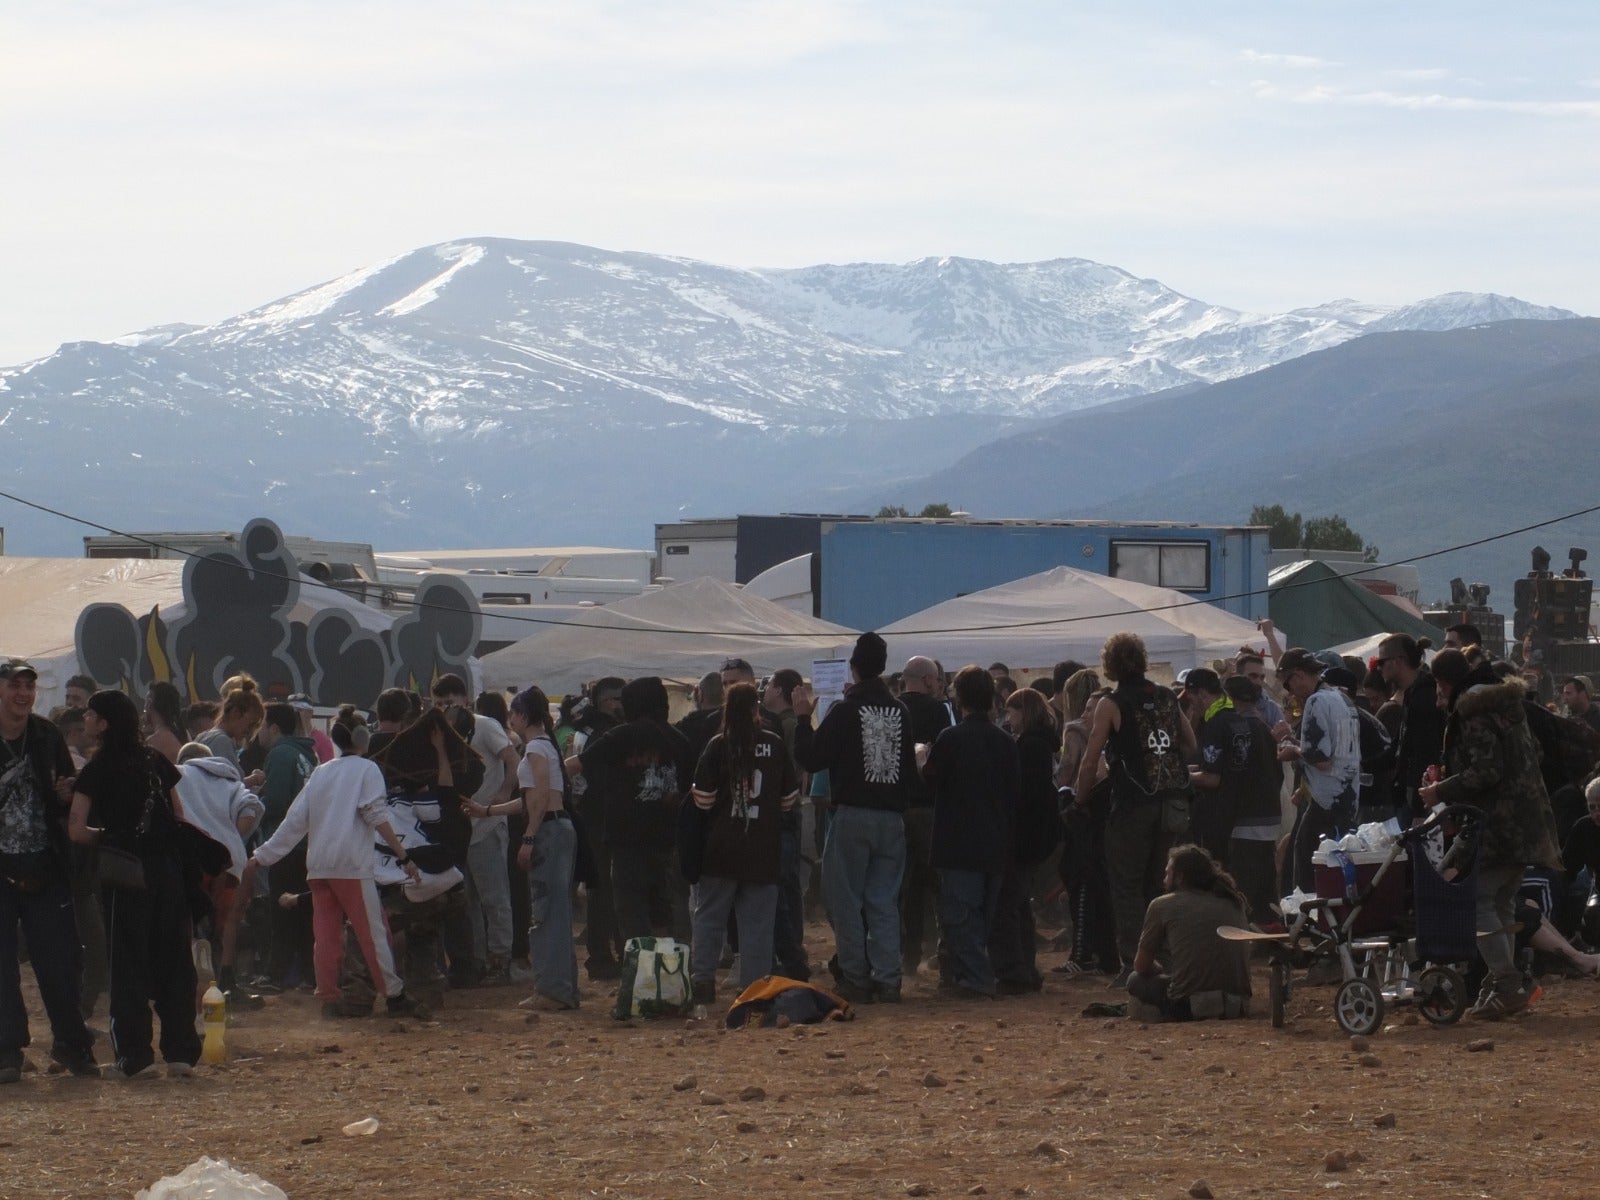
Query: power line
{"type": "Point", "coordinates": [305, 580]}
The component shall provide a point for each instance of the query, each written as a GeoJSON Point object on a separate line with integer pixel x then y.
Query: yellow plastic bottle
{"type": "Point", "coordinates": [214, 1013]}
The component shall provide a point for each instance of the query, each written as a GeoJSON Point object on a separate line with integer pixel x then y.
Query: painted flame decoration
{"type": "Point", "coordinates": [160, 664]}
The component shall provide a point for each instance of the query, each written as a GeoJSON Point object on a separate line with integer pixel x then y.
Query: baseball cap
{"type": "Point", "coordinates": [15, 668]}
{"type": "Point", "coordinates": [1298, 658]}
{"type": "Point", "coordinates": [1202, 679]}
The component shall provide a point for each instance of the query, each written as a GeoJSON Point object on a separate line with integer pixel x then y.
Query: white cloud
{"type": "Point", "coordinates": [1299, 62]}
{"type": "Point", "coordinates": [1424, 102]}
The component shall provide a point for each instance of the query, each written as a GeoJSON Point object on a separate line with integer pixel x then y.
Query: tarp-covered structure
{"type": "Point", "coordinates": [679, 633]}
{"type": "Point", "coordinates": [1320, 608]}
{"type": "Point", "coordinates": [1032, 623]}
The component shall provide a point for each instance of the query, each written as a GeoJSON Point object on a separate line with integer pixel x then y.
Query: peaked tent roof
{"type": "Point", "coordinates": [1035, 622]}
{"type": "Point", "coordinates": [644, 635]}
{"type": "Point", "coordinates": [1323, 608]}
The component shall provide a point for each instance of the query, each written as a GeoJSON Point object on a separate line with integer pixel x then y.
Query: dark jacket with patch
{"type": "Point", "coordinates": [864, 743]}
{"type": "Point", "coordinates": [1491, 761]}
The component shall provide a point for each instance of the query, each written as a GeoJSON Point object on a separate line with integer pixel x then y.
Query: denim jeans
{"type": "Point", "coordinates": [754, 906]}
{"type": "Point", "coordinates": [550, 950]}
{"type": "Point", "coordinates": [489, 897]}
{"type": "Point", "coordinates": [862, 865]}
{"type": "Point", "coordinates": [967, 903]}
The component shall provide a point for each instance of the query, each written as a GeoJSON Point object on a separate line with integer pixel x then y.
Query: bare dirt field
{"type": "Point", "coordinates": [1017, 1097]}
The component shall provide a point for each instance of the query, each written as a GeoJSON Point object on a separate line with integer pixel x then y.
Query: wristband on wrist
{"type": "Point", "coordinates": [403, 861]}
{"type": "Point", "coordinates": [527, 841]}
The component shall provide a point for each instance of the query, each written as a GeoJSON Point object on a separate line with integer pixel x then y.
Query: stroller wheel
{"type": "Point", "coordinates": [1278, 989]}
{"type": "Point", "coordinates": [1358, 1006]}
{"type": "Point", "coordinates": [1441, 995]}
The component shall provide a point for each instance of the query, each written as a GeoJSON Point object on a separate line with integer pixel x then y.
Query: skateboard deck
{"type": "Point", "coordinates": [1232, 933]}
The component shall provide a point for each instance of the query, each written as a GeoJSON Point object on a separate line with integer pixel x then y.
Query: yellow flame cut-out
{"type": "Point", "coordinates": [160, 666]}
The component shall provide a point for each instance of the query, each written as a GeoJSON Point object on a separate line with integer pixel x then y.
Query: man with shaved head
{"type": "Point", "coordinates": [922, 693]}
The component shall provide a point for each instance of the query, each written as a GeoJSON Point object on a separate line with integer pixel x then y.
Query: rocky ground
{"type": "Point", "coordinates": [1018, 1097]}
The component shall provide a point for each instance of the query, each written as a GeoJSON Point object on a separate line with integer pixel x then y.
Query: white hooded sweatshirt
{"type": "Point", "coordinates": [214, 800]}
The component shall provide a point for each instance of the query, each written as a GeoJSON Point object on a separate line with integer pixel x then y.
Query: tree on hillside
{"type": "Point", "coordinates": [1286, 530]}
{"type": "Point", "coordinates": [928, 510]}
{"type": "Point", "coordinates": [1291, 531]}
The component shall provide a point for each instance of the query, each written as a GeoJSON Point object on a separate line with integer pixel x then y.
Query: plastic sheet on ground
{"type": "Point", "coordinates": [211, 1179]}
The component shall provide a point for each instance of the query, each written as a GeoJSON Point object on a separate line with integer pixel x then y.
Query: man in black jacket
{"type": "Point", "coordinates": [36, 778]}
{"type": "Point", "coordinates": [864, 743]}
{"type": "Point", "coordinates": [976, 780]}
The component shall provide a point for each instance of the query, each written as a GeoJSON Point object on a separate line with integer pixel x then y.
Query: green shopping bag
{"type": "Point", "coordinates": [655, 979]}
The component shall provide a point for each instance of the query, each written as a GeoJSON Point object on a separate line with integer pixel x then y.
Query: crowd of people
{"type": "Point", "coordinates": [442, 841]}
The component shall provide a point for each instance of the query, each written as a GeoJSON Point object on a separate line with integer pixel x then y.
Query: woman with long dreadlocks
{"type": "Point", "coordinates": [744, 783]}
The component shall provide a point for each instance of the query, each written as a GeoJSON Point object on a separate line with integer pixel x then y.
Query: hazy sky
{"type": "Point", "coordinates": [175, 161]}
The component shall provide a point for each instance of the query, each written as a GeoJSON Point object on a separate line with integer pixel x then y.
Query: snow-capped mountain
{"type": "Point", "coordinates": [485, 365]}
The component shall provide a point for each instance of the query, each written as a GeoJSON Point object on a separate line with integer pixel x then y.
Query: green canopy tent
{"type": "Point", "coordinates": [1318, 607]}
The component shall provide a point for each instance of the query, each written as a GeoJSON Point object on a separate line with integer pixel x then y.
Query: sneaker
{"type": "Point", "coordinates": [1069, 968]}
{"type": "Point", "coordinates": [240, 1000]}
{"type": "Point", "coordinates": [884, 993]}
{"type": "Point", "coordinates": [705, 991]}
{"type": "Point", "coordinates": [539, 1002]}
{"type": "Point", "coordinates": [11, 1074]}
{"type": "Point", "coordinates": [180, 1070]}
{"type": "Point", "coordinates": [1498, 1005]}
{"type": "Point", "coordinates": [83, 1066]}
{"type": "Point", "coordinates": [149, 1071]}
{"type": "Point", "coordinates": [405, 1006]}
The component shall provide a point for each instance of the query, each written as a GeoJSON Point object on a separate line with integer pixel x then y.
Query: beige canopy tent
{"type": "Point", "coordinates": [679, 633]}
{"type": "Point", "coordinates": [42, 598]}
{"type": "Point", "coordinates": [1032, 623]}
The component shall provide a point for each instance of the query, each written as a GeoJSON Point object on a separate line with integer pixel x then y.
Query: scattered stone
{"type": "Point", "coordinates": [833, 1054]}
{"type": "Point", "coordinates": [1370, 1060]}
{"type": "Point", "coordinates": [331, 1048]}
{"type": "Point", "coordinates": [471, 1089]}
{"type": "Point", "coordinates": [1480, 1045]}
{"type": "Point", "coordinates": [1354, 1157]}
{"type": "Point", "coordinates": [977, 1058]}
{"type": "Point", "coordinates": [919, 1189]}
{"type": "Point", "coordinates": [747, 1127]}
{"type": "Point", "coordinates": [1099, 1093]}
{"type": "Point", "coordinates": [1214, 1069]}
{"type": "Point", "coordinates": [1335, 1160]}
{"type": "Point", "coordinates": [753, 1092]}
{"type": "Point", "coordinates": [711, 1099]}
{"type": "Point", "coordinates": [1200, 1190]}
{"type": "Point", "coordinates": [1409, 1018]}
{"type": "Point", "coordinates": [933, 1079]}
{"type": "Point", "coordinates": [1360, 1041]}
{"type": "Point", "coordinates": [861, 1089]}
{"type": "Point", "coordinates": [1384, 1121]}
{"type": "Point", "coordinates": [977, 1189]}
{"type": "Point", "coordinates": [1047, 1149]}
{"type": "Point", "coordinates": [531, 1019]}
{"type": "Point", "coordinates": [687, 1084]}
{"type": "Point", "coordinates": [312, 1140]}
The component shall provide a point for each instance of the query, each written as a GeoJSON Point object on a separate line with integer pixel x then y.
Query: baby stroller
{"type": "Point", "coordinates": [1387, 956]}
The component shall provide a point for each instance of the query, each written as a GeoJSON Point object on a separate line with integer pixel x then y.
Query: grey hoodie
{"type": "Point", "coordinates": [214, 799]}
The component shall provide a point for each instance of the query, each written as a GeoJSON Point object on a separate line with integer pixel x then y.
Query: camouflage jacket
{"type": "Point", "coordinates": [1491, 761]}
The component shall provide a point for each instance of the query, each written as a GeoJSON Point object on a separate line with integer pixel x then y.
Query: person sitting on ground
{"type": "Point", "coordinates": [1184, 970]}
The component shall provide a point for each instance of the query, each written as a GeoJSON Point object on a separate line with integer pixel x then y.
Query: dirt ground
{"type": "Point", "coordinates": [1026, 1098]}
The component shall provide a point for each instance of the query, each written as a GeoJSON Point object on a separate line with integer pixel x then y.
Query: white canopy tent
{"type": "Point", "coordinates": [645, 635]}
{"type": "Point", "coordinates": [1032, 623]}
{"type": "Point", "coordinates": [41, 599]}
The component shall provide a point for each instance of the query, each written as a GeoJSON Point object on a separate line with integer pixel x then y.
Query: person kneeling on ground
{"type": "Point", "coordinates": [1205, 976]}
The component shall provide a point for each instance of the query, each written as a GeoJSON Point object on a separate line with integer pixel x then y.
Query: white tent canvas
{"type": "Point", "coordinates": [41, 599]}
{"type": "Point", "coordinates": [644, 635]}
{"type": "Point", "coordinates": [1032, 623]}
